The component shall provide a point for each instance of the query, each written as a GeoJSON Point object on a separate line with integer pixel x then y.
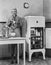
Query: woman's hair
{"type": "Point", "coordinates": [15, 10]}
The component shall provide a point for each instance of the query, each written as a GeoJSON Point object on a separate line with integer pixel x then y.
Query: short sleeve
{"type": "Point", "coordinates": [24, 28]}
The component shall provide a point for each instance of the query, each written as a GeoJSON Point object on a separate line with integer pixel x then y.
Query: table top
{"type": "Point", "coordinates": [13, 38]}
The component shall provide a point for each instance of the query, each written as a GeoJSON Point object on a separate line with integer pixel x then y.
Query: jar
{"type": "Point", "coordinates": [3, 31]}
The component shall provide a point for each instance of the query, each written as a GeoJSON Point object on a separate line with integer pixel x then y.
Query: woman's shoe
{"type": "Point", "coordinates": [12, 62]}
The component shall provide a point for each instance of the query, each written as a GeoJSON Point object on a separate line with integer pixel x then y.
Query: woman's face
{"type": "Point", "coordinates": [14, 13]}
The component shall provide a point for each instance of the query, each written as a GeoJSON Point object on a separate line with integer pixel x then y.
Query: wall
{"type": "Point", "coordinates": [36, 8]}
{"type": "Point", "coordinates": [47, 10]}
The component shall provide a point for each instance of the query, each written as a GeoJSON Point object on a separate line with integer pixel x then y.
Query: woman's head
{"type": "Point", "coordinates": [14, 12]}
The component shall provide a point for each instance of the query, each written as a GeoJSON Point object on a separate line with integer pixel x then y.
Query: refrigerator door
{"type": "Point", "coordinates": [48, 38]}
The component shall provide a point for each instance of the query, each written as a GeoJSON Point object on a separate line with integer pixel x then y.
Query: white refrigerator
{"type": "Point", "coordinates": [48, 38]}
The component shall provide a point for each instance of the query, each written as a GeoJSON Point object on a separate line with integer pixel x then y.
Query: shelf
{"type": "Point", "coordinates": [36, 36]}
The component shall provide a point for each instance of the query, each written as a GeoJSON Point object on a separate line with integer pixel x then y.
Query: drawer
{"type": "Point", "coordinates": [36, 21]}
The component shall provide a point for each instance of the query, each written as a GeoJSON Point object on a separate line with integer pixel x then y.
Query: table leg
{"type": "Point", "coordinates": [18, 53]}
{"type": "Point", "coordinates": [24, 52]}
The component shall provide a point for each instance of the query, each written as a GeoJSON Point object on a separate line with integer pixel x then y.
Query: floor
{"type": "Point", "coordinates": [35, 61]}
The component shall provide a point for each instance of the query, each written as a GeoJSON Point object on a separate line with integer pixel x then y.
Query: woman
{"type": "Point", "coordinates": [15, 26]}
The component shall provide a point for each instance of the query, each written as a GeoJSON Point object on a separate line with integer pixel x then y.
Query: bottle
{"type": "Point", "coordinates": [7, 31]}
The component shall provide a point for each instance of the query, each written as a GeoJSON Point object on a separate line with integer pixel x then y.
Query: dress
{"type": "Point", "coordinates": [15, 26]}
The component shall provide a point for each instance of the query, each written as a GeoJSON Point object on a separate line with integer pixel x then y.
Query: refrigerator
{"type": "Point", "coordinates": [48, 42]}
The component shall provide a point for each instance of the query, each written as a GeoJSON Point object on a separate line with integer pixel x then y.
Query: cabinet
{"type": "Point", "coordinates": [36, 34]}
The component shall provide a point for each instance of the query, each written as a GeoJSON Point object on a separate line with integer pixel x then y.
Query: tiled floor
{"type": "Point", "coordinates": [35, 61]}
